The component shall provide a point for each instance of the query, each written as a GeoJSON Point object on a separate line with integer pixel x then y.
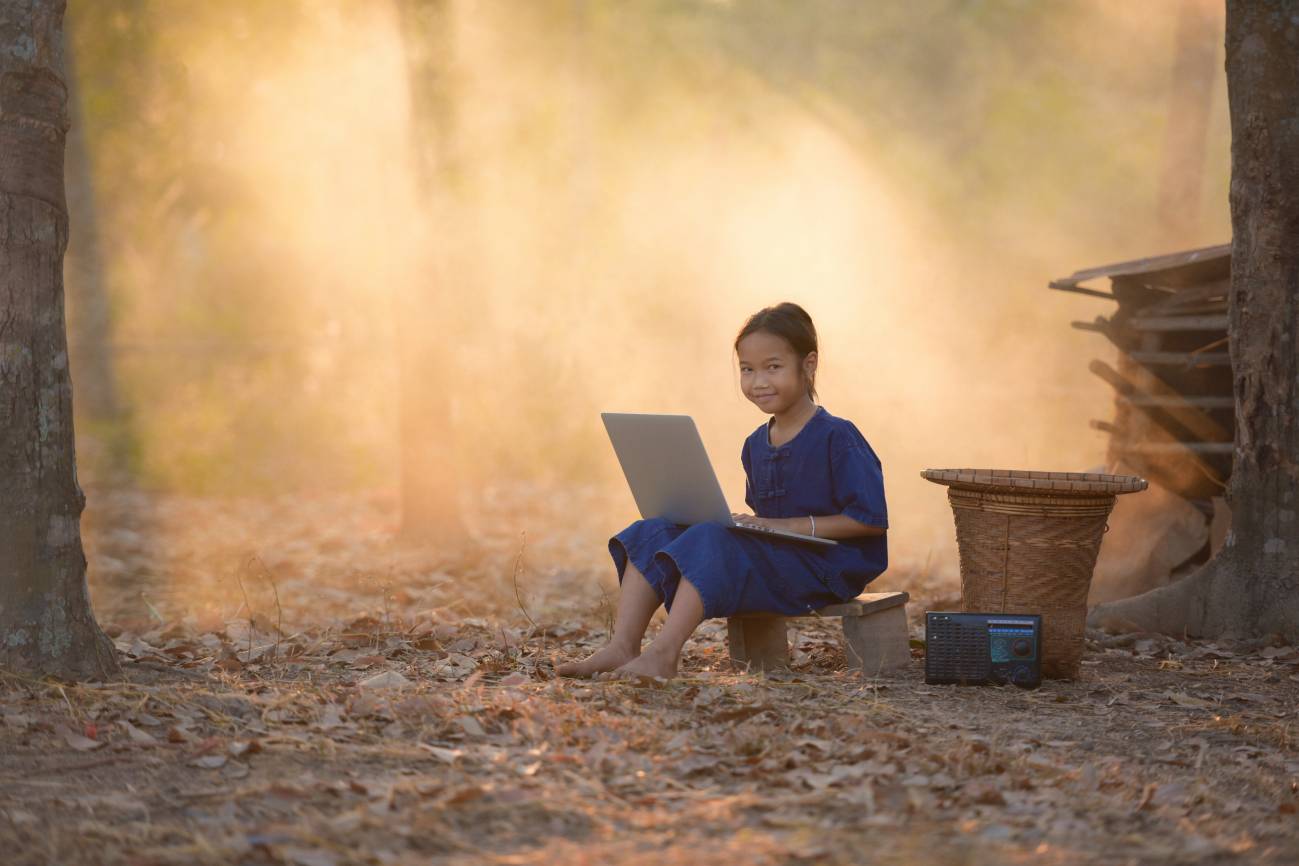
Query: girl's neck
{"type": "Point", "coordinates": [786, 425]}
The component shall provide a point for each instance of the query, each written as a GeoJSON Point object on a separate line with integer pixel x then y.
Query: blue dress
{"type": "Point", "coordinates": [828, 468]}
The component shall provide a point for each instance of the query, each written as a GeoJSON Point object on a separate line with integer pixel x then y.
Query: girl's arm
{"type": "Point", "coordinates": [833, 526]}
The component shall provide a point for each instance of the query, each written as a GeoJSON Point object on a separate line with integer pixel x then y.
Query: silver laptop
{"type": "Point", "coordinates": [669, 474]}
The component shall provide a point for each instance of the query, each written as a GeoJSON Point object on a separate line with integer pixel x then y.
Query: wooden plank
{"type": "Point", "coordinates": [1082, 290]}
{"type": "Point", "coordinates": [1176, 447]}
{"type": "Point", "coordinates": [758, 643]}
{"type": "Point", "coordinates": [1177, 400]}
{"type": "Point", "coordinates": [879, 643]}
{"type": "Point", "coordinates": [1202, 263]}
{"type": "Point", "coordinates": [867, 602]}
{"type": "Point", "coordinates": [1207, 297]}
{"type": "Point", "coordinates": [1100, 326]}
{"type": "Point", "coordinates": [1103, 426]}
{"type": "Point", "coordinates": [1178, 323]}
{"type": "Point", "coordinates": [1191, 486]}
{"type": "Point", "coordinates": [1192, 418]}
{"type": "Point", "coordinates": [1182, 359]}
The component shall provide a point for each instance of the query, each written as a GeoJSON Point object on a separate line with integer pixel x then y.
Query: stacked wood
{"type": "Point", "coordinates": [1174, 419]}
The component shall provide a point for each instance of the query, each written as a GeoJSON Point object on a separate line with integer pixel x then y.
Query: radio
{"type": "Point", "coordinates": [980, 648]}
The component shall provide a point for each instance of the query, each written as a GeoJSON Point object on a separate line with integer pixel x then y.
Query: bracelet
{"type": "Point", "coordinates": [813, 519]}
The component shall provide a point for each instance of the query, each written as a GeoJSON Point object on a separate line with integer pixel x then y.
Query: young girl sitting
{"type": "Point", "coordinates": [806, 471]}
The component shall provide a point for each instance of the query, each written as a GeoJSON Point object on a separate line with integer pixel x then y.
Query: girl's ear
{"type": "Point", "coordinates": [809, 363]}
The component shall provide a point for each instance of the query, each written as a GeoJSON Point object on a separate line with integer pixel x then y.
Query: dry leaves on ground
{"type": "Point", "coordinates": [406, 730]}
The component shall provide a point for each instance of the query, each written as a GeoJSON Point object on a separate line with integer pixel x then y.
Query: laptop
{"type": "Point", "coordinates": [668, 472]}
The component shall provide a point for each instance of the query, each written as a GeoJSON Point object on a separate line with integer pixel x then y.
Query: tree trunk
{"type": "Point", "coordinates": [46, 624]}
{"type": "Point", "coordinates": [1251, 588]}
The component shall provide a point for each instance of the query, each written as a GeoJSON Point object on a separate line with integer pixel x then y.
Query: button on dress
{"type": "Point", "coordinates": [827, 468]}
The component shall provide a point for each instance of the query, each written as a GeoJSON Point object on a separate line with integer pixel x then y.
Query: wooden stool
{"type": "Point", "coordinates": [875, 634]}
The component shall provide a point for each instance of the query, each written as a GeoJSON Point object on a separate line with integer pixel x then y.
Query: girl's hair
{"type": "Point", "coordinates": [791, 323]}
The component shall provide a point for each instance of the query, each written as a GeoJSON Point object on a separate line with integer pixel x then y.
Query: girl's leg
{"type": "Point", "coordinates": [661, 657]}
{"type": "Point", "coordinates": [637, 602]}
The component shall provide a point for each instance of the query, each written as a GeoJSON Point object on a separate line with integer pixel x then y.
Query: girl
{"type": "Point", "coordinates": [805, 470]}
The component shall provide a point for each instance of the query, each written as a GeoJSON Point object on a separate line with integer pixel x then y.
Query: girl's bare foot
{"type": "Point", "coordinates": [651, 664]}
{"type": "Point", "coordinates": [610, 658]}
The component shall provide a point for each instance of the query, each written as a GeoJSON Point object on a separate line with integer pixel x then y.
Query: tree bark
{"type": "Point", "coordinates": [46, 624]}
{"type": "Point", "coordinates": [1251, 588]}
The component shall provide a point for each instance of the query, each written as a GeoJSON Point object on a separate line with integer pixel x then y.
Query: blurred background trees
{"type": "Point", "coordinates": [533, 212]}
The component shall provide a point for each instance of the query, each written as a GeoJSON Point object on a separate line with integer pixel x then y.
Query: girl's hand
{"type": "Point", "coordinates": [752, 520]}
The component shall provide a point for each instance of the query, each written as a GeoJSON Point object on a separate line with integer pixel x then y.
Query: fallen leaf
{"type": "Point", "coordinates": [1249, 697]}
{"type": "Point", "coordinates": [331, 716]}
{"type": "Point", "coordinates": [384, 680]}
{"type": "Point", "coordinates": [448, 755]}
{"type": "Point", "coordinates": [984, 793]}
{"type": "Point", "coordinates": [238, 748]}
{"type": "Point", "coordinates": [176, 734]}
{"type": "Point", "coordinates": [19, 816]}
{"type": "Point", "coordinates": [307, 857]}
{"type": "Point", "coordinates": [471, 726]}
{"type": "Point", "coordinates": [464, 795]}
{"type": "Point", "coordinates": [136, 735]}
{"type": "Point", "coordinates": [1147, 794]}
{"type": "Point", "coordinates": [80, 743]}
{"type": "Point", "coordinates": [290, 791]}
{"type": "Point", "coordinates": [209, 762]}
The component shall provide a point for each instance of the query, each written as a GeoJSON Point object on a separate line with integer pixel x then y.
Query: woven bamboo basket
{"type": "Point", "coordinates": [1028, 543]}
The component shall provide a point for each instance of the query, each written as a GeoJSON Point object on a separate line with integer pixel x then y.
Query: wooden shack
{"type": "Point", "coordinates": [1174, 416]}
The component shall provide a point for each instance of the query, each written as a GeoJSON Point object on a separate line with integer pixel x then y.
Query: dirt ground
{"type": "Point", "coordinates": [304, 696]}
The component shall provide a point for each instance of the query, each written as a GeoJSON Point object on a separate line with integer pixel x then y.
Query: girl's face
{"type": "Point", "coordinates": [770, 374]}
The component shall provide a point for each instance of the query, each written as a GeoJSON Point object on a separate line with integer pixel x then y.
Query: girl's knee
{"type": "Point", "coordinates": [707, 530]}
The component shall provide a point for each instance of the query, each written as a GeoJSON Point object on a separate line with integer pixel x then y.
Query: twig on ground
{"type": "Point", "coordinates": [386, 588]}
{"type": "Point", "coordinates": [518, 596]}
{"type": "Point", "coordinates": [518, 566]}
{"type": "Point", "coordinates": [71, 709]}
{"type": "Point", "coordinates": [606, 608]}
{"type": "Point", "coordinates": [275, 590]}
{"type": "Point", "coordinates": [252, 625]}
{"type": "Point", "coordinates": [153, 611]}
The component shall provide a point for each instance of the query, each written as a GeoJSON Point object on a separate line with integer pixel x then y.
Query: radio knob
{"type": "Point", "coordinates": [1021, 647]}
{"type": "Point", "coordinates": [1021, 676]}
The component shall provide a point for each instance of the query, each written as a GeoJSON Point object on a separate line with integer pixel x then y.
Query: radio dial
{"type": "Point", "coordinates": [1021, 647]}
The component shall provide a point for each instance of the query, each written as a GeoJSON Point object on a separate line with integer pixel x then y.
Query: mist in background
{"type": "Point", "coordinates": [571, 207]}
